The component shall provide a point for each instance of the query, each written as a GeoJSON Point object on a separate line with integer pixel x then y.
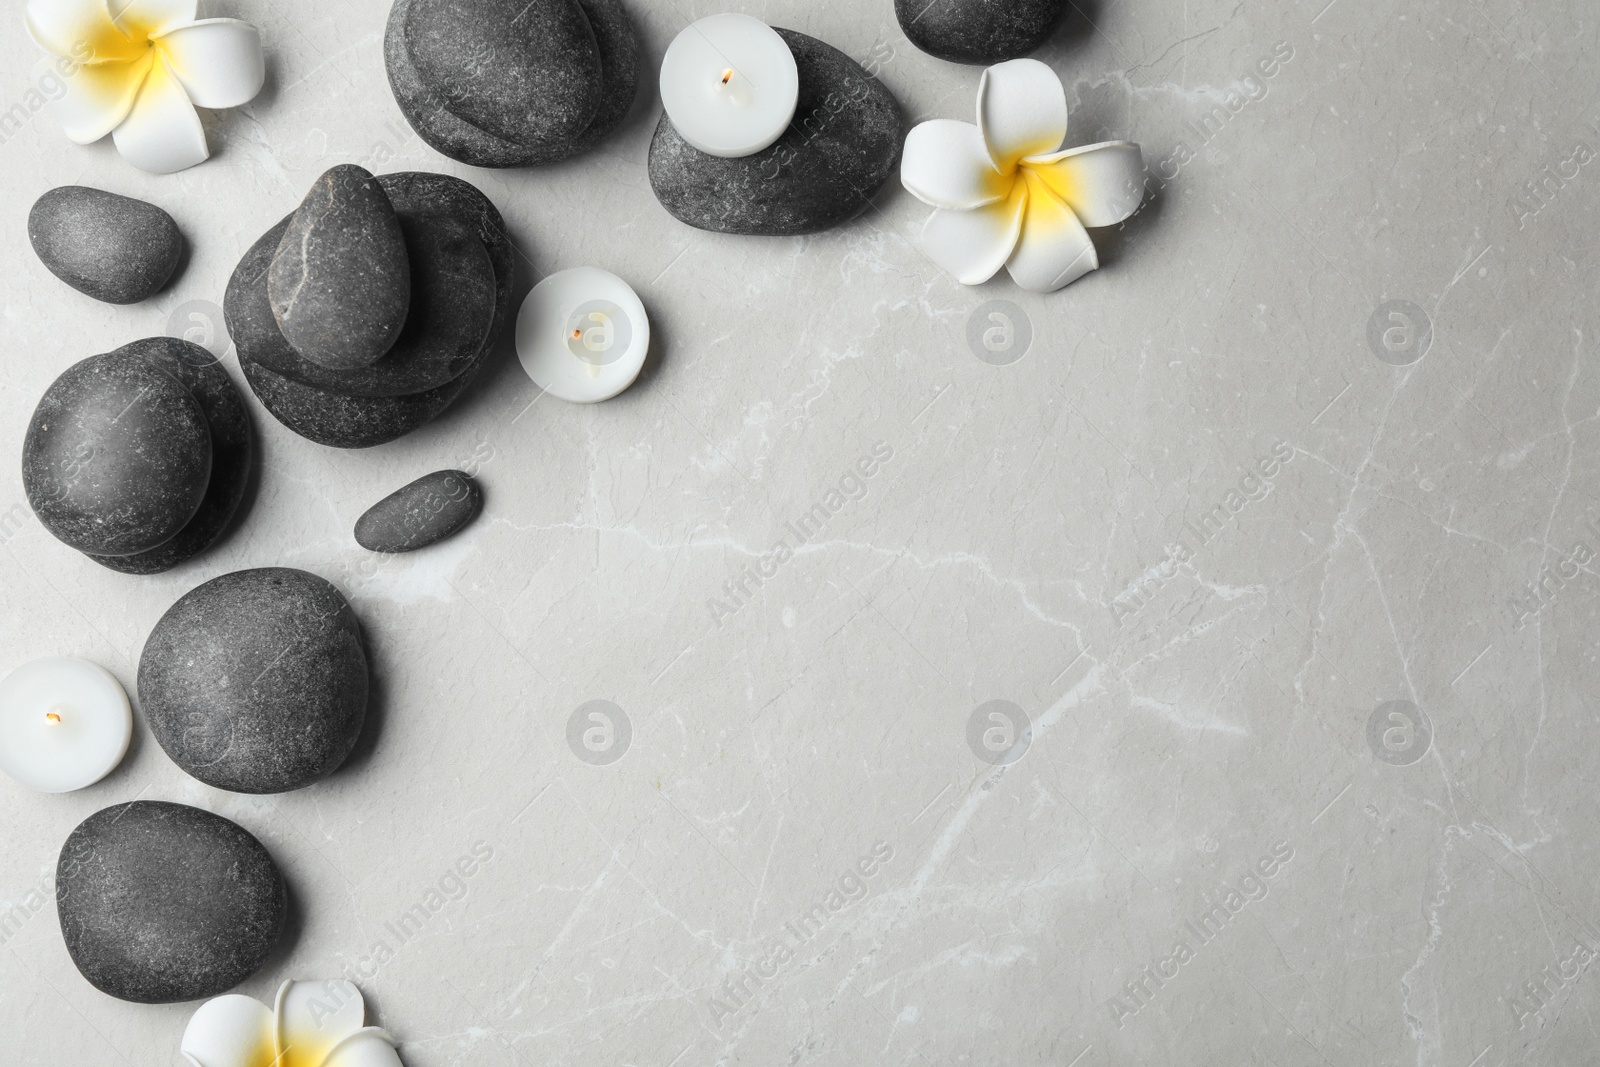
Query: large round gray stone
{"type": "Point", "coordinates": [113, 248]}
{"type": "Point", "coordinates": [257, 680]}
{"type": "Point", "coordinates": [420, 514]}
{"type": "Point", "coordinates": [340, 279]}
{"type": "Point", "coordinates": [843, 145]}
{"type": "Point", "coordinates": [117, 457]}
{"type": "Point", "coordinates": [430, 114]}
{"type": "Point", "coordinates": [452, 304]}
{"type": "Point", "coordinates": [162, 902]}
{"type": "Point", "coordinates": [979, 31]}
{"type": "Point", "coordinates": [522, 70]}
{"type": "Point", "coordinates": [232, 451]}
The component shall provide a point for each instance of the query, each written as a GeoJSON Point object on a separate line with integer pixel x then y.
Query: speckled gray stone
{"type": "Point", "coordinates": [432, 117]}
{"type": "Point", "coordinates": [979, 31]}
{"type": "Point", "coordinates": [452, 304]}
{"type": "Point", "coordinates": [117, 457]}
{"type": "Point", "coordinates": [340, 279]}
{"type": "Point", "coordinates": [161, 902]}
{"type": "Point", "coordinates": [256, 681]}
{"type": "Point", "coordinates": [362, 422]}
{"type": "Point", "coordinates": [423, 513]}
{"type": "Point", "coordinates": [113, 248]}
{"type": "Point", "coordinates": [843, 145]}
{"type": "Point", "coordinates": [232, 451]}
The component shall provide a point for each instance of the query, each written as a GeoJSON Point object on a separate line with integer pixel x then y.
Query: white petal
{"type": "Point", "coordinates": [78, 29]}
{"type": "Point", "coordinates": [370, 1047]}
{"type": "Point", "coordinates": [1054, 248]}
{"type": "Point", "coordinates": [1022, 111]}
{"type": "Point", "coordinates": [219, 61]}
{"type": "Point", "coordinates": [147, 18]}
{"type": "Point", "coordinates": [972, 245]}
{"type": "Point", "coordinates": [313, 1017]}
{"type": "Point", "coordinates": [162, 134]}
{"type": "Point", "coordinates": [946, 165]}
{"type": "Point", "coordinates": [229, 1031]}
{"type": "Point", "coordinates": [95, 99]}
{"type": "Point", "coordinates": [1102, 183]}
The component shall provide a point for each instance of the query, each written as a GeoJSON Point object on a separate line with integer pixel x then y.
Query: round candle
{"type": "Point", "coordinates": [730, 85]}
{"type": "Point", "coordinates": [582, 335]}
{"type": "Point", "coordinates": [64, 724]}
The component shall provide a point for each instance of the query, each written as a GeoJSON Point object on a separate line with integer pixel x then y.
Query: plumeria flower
{"type": "Point", "coordinates": [1007, 194]}
{"type": "Point", "coordinates": [314, 1024]}
{"type": "Point", "coordinates": [137, 69]}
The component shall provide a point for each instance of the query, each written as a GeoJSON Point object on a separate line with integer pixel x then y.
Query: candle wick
{"type": "Point", "coordinates": [727, 76]}
{"type": "Point", "coordinates": [51, 717]}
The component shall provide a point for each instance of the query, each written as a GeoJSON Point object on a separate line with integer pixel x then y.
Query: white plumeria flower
{"type": "Point", "coordinates": [136, 69]}
{"type": "Point", "coordinates": [1007, 195]}
{"type": "Point", "coordinates": [315, 1024]}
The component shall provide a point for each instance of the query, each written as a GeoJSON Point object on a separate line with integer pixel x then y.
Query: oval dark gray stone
{"type": "Point", "coordinates": [113, 248]}
{"type": "Point", "coordinates": [430, 115]}
{"type": "Point", "coordinates": [257, 680]}
{"type": "Point", "coordinates": [340, 279]}
{"type": "Point", "coordinates": [452, 305]}
{"type": "Point", "coordinates": [117, 458]}
{"type": "Point", "coordinates": [161, 902]}
{"type": "Point", "coordinates": [979, 31]}
{"type": "Point", "coordinates": [420, 514]}
{"type": "Point", "coordinates": [843, 145]}
{"type": "Point", "coordinates": [523, 70]}
{"type": "Point", "coordinates": [362, 422]}
{"type": "Point", "coordinates": [232, 451]}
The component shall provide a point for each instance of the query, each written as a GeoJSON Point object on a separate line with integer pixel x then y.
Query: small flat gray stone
{"type": "Point", "coordinates": [429, 114]}
{"type": "Point", "coordinates": [843, 145]}
{"type": "Point", "coordinates": [452, 305]}
{"type": "Point", "coordinates": [113, 248]}
{"type": "Point", "coordinates": [340, 280]}
{"type": "Point", "coordinates": [232, 452]}
{"type": "Point", "coordinates": [523, 70]}
{"type": "Point", "coordinates": [982, 32]}
{"type": "Point", "coordinates": [423, 513]}
{"type": "Point", "coordinates": [161, 902]}
{"type": "Point", "coordinates": [257, 680]}
{"type": "Point", "coordinates": [362, 422]}
{"type": "Point", "coordinates": [117, 458]}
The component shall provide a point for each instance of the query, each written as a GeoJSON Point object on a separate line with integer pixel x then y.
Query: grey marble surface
{"type": "Point", "coordinates": [1432, 896]}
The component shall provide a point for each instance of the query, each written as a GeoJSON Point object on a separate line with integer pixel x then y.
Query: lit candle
{"type": "Point", "coordinates": [730, 85]}
{"type": "Point", "coordinates": [64, 724]}
{"type": "Point", "coordinates": [582, 335]}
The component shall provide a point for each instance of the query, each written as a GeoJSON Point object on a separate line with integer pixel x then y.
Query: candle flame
{"type": "Point", "coordinates": [727, 76]}
{"type": "Point", "coordinates": [52, 717]}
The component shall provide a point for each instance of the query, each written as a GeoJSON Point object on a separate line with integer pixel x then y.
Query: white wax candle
{"type": "Point", "coordinates": [64, 724]}
{"type": "Point", "coordinates": [582, 335]}
{"type": "Point", "coordinates": [730, 85]}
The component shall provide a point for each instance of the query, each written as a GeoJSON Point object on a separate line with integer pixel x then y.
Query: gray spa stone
{"type": "Point", "coordinates": [117, 457]}
{"type": "Point", "coordinates": [843, 145]}
{"type": "Point", "coordinates": [257, 680]}
{"type": "Point", "coordinates": [362, 422]}
{"type": "Point", "coordinates": [523, 70]}
{"type": "Point", "coordinates": [161, 902]}
{"type": "Point", "coordinates": [979, 31]}
{"type": "Point", "coordinates": [340, 279]}
{"type": "Point", "coordinates": [452, 304]}
{"type": "Point", "coordinates": [423, 513]}
{"type": "Point", "coordinates": [232, 451]}
{"type": "Point", "coordinates": [431, 116]}
{"type": "Point", "coordinates": [113, 248]}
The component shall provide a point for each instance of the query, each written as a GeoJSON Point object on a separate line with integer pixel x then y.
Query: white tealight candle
{"type": "Point", "coordinates": [64, 724]}
{"type": "Point", "coordinates": [730, 85]}
{"type": "Point", "coordinates": [582, 335]}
